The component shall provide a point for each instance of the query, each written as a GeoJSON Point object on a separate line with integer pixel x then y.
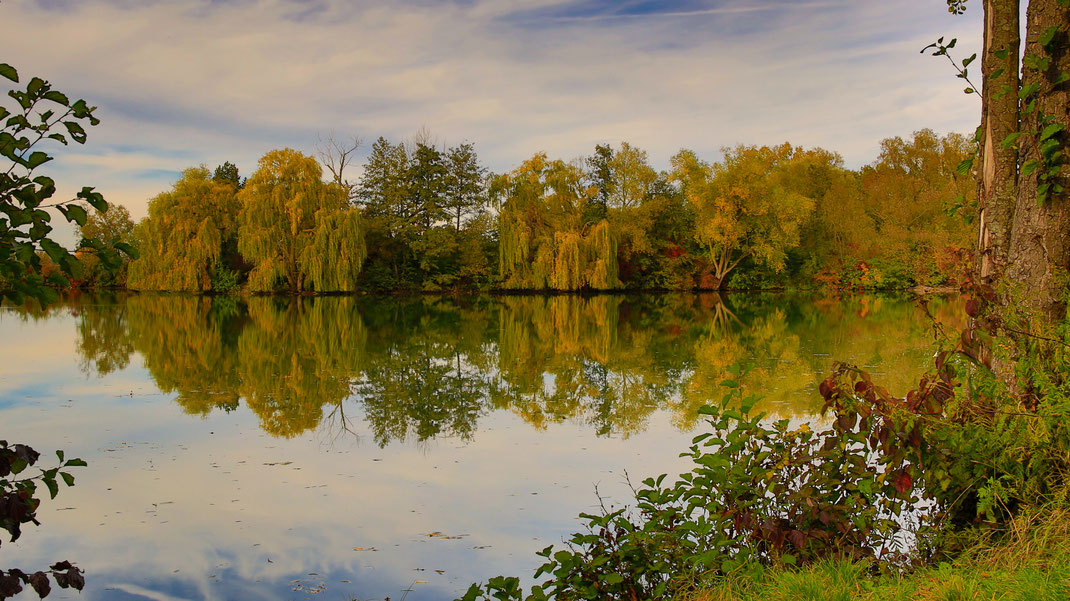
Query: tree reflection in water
{"type": "Point", "coordinates": [425, 367]}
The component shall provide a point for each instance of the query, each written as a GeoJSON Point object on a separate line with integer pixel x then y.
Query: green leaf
{"type": "Point", "coordinates": [75, 463]}
{"type": "Point", "coordinates": [35, 85]}
{"type": "Point", "coordinates": [1029, 167]}
{"type": "Point", "coordinates": [72, 265]}
{"type": "Point", "coordinates": [127, 249]}
{"type": "Point", "coordinates": [59, 455]}
{"type": "Point", "coordinates": [9, 72]}
{"type": "Point", "coordinates": [53, 488]}
{"type": "Point", "coordinates": [67, 478]}
{"type": "Point", "coordinates": [1010, 140]}
{"type": "Point", "coordinates": [997, 73]}
{"type": "Point", "coordinates": [58, 280]}
{"type": "Point", "coordinates": [1001, 54]}
{"type": "Point", "coordinates": [57, 97]}
{"type": "Point", "coordinates": [37, 159]}
{"type": "Point", "coordinates": [77, 214]}
{"type": "Point", "coordinates": [95, 199]}
{"type": "Point", "coordinates": [1047, 36]}
{"type": "Point", "coordinates": [55, 252]}
{"type": "Point", "coordinates": [76, 131]}
{"type": "Point", "coordinates": [965, 166]}
{"type": "Point", "coordinates": [1051, 130]}
{"type": "Point", "coordinates": [1049, 147]}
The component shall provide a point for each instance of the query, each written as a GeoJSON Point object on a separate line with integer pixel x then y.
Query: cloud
{"type": "Point", "coordinates": [185, 82]}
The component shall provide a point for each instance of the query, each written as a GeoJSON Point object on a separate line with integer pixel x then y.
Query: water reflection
{"type": "Point", "coordinates": [420, 368]}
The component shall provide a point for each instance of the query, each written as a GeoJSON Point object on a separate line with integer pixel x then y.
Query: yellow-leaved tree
{"type": "Point", "coordinates": [297, 231]}
{"type": "Point", "coordinates": [545, 240]}
{"type": "Point", "coordinates": [181, 240]}
{"type": "Point", "coordinates": [744, 206]}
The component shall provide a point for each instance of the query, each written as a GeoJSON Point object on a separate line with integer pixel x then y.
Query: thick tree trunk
{"type": "Point", "coordinates": [998, 175]}
{"type": "Point", "coordinates": [1039, 251]}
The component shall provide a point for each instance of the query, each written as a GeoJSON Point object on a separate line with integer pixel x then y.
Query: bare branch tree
{"type": "Point", "coordinates": [337, 154]}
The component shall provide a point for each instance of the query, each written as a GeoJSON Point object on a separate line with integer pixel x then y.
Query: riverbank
{"type": "Point", "coordinates": [1032, 563]}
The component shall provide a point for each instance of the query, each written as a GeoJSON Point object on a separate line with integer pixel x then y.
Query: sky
{"type": "Point", "coordinates": [180, 83]}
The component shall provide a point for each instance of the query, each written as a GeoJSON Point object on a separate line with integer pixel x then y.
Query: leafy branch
{"type": "Point", "coordinates": [41, 113]}
{"type": "Point", "coordinates": [18, 506]}
{"type": "Point", "coordinates": [939, 48]}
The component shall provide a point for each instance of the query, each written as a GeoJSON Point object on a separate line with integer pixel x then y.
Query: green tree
{"type": "Point", "coordinates": [743, 206]}
{"type": "Point", "coordinates": [464, 187]}
{"type": "Point", "coordinates": [181, 240]}
{"type": "Point", "coordinates": [909, 195]}
{"type": "Point", "coordinates": [599, 174]}
{"type": "Point", "coordinates": [545, 241]}
{"type": "Point", "coordinates": [426, 184]}
{"type": "Point", "coordinates": [115, 226]}
{"type": "Point", "coordinates": [227, 173]}
{"type": "Point", "coordinates": [297, 231]}
{"type": "Point", "coordinates": [382, 195]}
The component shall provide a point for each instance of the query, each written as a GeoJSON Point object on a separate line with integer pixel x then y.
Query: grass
{"type": "Point", "coordinates": [1030, 563]}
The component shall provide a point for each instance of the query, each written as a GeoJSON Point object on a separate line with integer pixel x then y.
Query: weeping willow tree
{"type": "Point", "coordinates": [600, 369]}
{"type": "Point", "coordinates": [299, 358]}
{"type": "Point", "coordinates": [188, 348]}
{"type": "Point", "coordinates": [337, 252]}
{"type": "Point", "coordinates": [298, 232]}
{"type": "Point", "coordinates": [545, 242]}
{"type": "Point", "coordinates": [181, 240]}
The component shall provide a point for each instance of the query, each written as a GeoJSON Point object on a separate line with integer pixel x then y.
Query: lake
{"type": "Point", "coordinates": [373, 448]}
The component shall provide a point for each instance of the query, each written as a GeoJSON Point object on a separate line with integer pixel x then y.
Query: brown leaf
{"type": "Point", "coordinates": [9, 586]}
{"type": "Point", "coordinates": [39, 582]}
{"type": "Point", "coordinates": [75, 578]}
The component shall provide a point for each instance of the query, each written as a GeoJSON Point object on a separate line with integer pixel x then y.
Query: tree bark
{"type": "Point", "coordinates": [1039, 251]}
{"type": "Point", "coordinates": [998, 175]}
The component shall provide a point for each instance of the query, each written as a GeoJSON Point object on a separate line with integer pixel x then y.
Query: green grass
{"type": "Point", "coordinates": [1030, 563]}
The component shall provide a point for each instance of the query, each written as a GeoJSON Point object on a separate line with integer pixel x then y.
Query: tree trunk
{"type": "Point", "coordinates": [1023, 243]}
{"type": "Point", "coordinates": [998, 175]}
{"type": "Point", "coordinates": [1039, 252]}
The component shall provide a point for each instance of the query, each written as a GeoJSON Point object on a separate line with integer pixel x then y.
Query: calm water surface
{"type": "Point", "coordinates": [341, 448]}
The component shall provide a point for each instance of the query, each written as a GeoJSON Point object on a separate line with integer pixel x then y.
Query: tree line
{"type": "Point", "coordinates": [425, 217]}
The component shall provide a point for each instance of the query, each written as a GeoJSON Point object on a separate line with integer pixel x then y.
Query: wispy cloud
{"type": "Point", "coordinates": [184, 82]}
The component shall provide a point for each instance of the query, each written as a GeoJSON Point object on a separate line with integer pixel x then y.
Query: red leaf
{"type": "Point", "coordinates": [903, 482]}
{"type": "Point", "coordinates": [797, 538]}
{"type": "Point", "coordinates": [826, 388]}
